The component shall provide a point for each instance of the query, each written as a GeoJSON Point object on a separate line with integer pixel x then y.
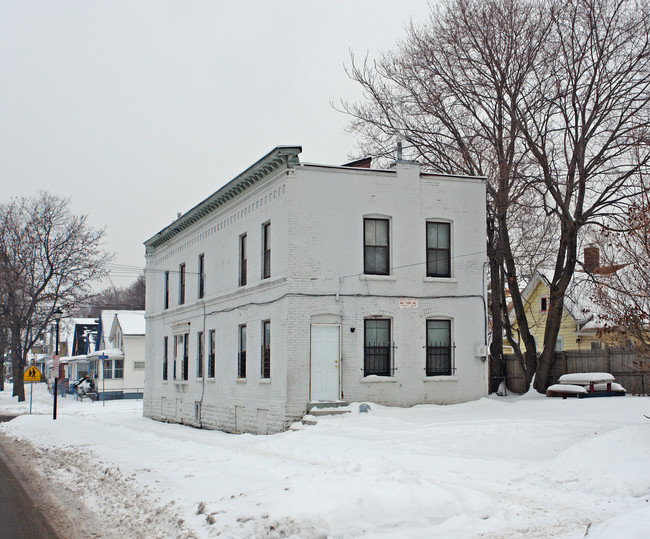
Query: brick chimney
{"type": "Point", "coordinates": [592, 258]}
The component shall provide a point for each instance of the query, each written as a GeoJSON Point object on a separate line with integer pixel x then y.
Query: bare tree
{"type": "Point", "coordinates": [450, 89]}
{"type": "Point", "coordinates": [131, 297]}
{"type": "Point", "coordinates": [49, 257]}
{"type": "Point", "coordinates": [583, 116]}
{"type": "Point", "coordinates": [621, 287]}
{"type": "Point", "coordinates": [545, 99]}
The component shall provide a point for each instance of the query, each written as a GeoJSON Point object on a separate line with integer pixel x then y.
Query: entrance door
{"type": "Point", "coordinates": [325, 355]}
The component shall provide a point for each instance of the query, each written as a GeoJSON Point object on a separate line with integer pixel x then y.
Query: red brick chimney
{"type": "Point", "coordinates": [592, 258]}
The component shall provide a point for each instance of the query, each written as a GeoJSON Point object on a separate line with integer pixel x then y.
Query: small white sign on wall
{"type": "Point", "coordinates": [408, 303]}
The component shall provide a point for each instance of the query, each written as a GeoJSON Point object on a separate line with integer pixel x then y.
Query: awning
{"type": "Point", "coordinates": [112, 353]}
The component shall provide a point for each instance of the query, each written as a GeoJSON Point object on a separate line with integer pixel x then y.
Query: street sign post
{"type": "Point", "coordinates": [31, 375]}
{"type": "Point", "coordinates": [103, 357]}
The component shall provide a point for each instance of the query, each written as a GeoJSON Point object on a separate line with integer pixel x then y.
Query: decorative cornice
{"type": "Point", "coordinates": [280, 157]}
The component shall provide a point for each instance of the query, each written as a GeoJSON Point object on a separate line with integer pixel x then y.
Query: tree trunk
{"type": "Point", "coordinates": [497, 365]}
{"type": "Point", "coordinates": [17, 363]}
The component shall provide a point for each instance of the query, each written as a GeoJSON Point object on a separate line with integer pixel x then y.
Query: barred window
{"type": "Point", "coordinates": [439, 349]}
{"type": "Point", "coordinates": [377, 349]}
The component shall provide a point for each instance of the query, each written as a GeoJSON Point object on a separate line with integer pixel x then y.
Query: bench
{"type": "Point", "coordinates": [586, 384]}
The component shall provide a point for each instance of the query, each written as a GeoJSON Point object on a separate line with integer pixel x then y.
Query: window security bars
{"type": "Point", "coordinates": [440, 352]}
{"type": "Point", "coordinates": [440, 359]}
{"type": "Point", "coordinates": [377, 352]}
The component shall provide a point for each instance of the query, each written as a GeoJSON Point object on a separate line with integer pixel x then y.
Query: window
{"type": "Point", "coordinates": [376, 258]}
{"type": "Point", "coordinates": [138, 365]}
{"type": "Point", "coordinates": [438, 250]}
{"type": "Point", "coordinates": [559, 344]}
{"type": "Point", "coordinates": [266, 250]}
{"type": "Point", "coordinates": [242, 260]}
{"type": "Point", "coordinates": [108, 368]}
{"type": "Point", "coordinates": [439, 359]}
{"type": "Point", "coordinates": [201, 275]}
{"type": "Point", "coordinates": [595, 346]}
{"type": "Point", "coordinates": [199, 354]}
{"type": "Point", "coordinates": [377, 350]}
{"type": "Point", "coordinates": [165, 357]}
{"type": "Point", "coordinates": [241, 363]}
{"type": "Point", "coordinates": [118, 372]}
{"type": "Point", "coordinates": [177, 339]}
{"type": "Point", "coordinates": [181, 284]}
{"type": "Point", "coordinates": [266, 349]}
{"type": "Point", "coordinates": [166, 290]}
{"type": "Point", "coordinates": [543, 304]}
{"type": "Point", "coordinates": [211, 359]}
{"type": "Point", "coordinates": [186, 356]}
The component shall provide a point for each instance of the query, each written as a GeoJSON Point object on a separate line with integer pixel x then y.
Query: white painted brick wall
{"type": "Point", "coordinates": [316, 216]}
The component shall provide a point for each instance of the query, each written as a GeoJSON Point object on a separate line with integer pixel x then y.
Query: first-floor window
{"type": "Point", "coordinates": [118, 371]}
{"type": "Point", "coordinates": [377, 349]}
{"type": "Point", "coordinates": [165, 358]}
{"type": "Point", "coordinates": [439, 357]}
{"type": "Point", "coordinates": [108, 368]}
{"type": "Point", "coordinates": [211, 359]}
{"type": "Point", "coordinates": [241, 360]}
{"type": "Point", "coordinates": [266, 349]}
{"type": "Point", "coordinates": [199, 354]}
{"type": "Point", "coordinates": [186, 356]}
{"type": "Point", "coordinates": [177, 339]}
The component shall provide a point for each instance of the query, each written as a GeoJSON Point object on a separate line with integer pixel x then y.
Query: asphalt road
{"type": "Point", "coordinates": [20, 517]}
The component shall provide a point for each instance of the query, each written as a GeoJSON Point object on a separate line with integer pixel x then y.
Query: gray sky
{"type": "Point", "coordinates": [137, 110]}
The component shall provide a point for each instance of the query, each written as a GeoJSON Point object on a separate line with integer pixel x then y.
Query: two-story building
{"type": "Point", "coordinates": [297, 284]}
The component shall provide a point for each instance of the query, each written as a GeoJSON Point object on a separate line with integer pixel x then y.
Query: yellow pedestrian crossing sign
{"type": "Point", "coordinates": [32, 375]}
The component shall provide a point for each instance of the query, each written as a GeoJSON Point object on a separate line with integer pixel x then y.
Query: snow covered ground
{"type": "Point", "coordinates": [498, 467]}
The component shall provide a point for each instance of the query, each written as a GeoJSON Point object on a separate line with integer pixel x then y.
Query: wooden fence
{"type": "Point", "coordinates": [631, 370]}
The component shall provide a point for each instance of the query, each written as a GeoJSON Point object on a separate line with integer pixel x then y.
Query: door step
{"type": "Point", "coordinates": [326, 404]}
{"type": "Point", "coordinates": [321, 409]}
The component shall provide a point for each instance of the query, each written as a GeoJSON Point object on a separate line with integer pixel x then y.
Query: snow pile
{"type": "Point", "coordinates": [498, 467]}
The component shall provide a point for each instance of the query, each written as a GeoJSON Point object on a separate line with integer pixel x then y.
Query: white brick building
{"type": "Point", "coordinates": [296, 283]}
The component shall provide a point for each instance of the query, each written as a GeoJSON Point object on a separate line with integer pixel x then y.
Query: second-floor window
{"type": "Point", "coordinates": [201, 275]}
{"type": "Point", "coordinates": [376, 255]}
{"type": "Point", "coordinates": [242, 260]}
{"type": "Point", "coordinates": [181, 284]}
{"type": "Point", "coordinates": [266, 250]}
{"type": "Point", "coordinates": [241, 359]}
{"type": "Point", "coordinates": [166, 299]}
{"type": "Point", "coordinates": [438, 250]}
{"type": "Point", "coordinates": [543, 304]}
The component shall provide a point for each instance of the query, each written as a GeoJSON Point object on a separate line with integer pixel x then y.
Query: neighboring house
{"type": "Point", "coordinates": [298, 284]}
{"type": "Point", "coordinates": [581, 328]}
{"type": "Point", "coordinates": [120, 360]}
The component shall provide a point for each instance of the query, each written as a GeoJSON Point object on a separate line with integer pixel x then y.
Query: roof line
{"type": "Point", "coordinates": [281, 156]}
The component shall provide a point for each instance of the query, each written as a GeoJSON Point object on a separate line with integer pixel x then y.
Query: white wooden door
{"type": "Point", "coordinates": [325, 356]}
